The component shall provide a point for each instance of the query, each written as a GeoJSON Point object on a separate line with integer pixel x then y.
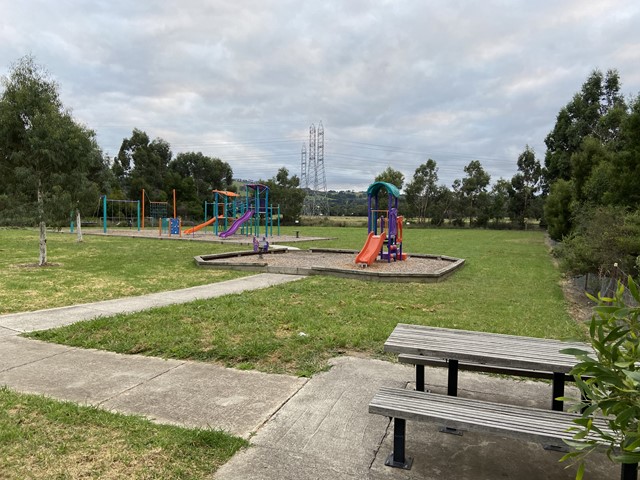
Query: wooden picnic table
{"type": "Point", "coordinates": [491, 349]}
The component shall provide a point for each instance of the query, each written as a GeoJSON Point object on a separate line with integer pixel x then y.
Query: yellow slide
{"type": "Point", "coordinates": [371, 248]}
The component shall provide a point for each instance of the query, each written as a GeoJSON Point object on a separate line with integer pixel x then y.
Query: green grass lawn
{"type": "Point", "coordinates": [100, 268]}
{"type": "Point", "coordinates": [508, 285]}
{"type": "Point", "coordinates": [44, 439]}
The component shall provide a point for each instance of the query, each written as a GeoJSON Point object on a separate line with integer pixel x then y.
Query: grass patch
{"type": "Point", "coordinates": [100, 268]}
{"type": "Point", "coordinates": [509, 285]}
{"type": "Point", "coordinates": [43, 439]}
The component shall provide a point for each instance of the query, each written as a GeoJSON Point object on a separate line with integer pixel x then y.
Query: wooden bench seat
{"type": "Point", "coordinates": [548, 427]}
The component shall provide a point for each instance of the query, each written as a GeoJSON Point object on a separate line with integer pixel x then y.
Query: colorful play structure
{"type": "Point", "coordinates": [230, 212]}
{"type": "Point", "coordinates": [384, 226]}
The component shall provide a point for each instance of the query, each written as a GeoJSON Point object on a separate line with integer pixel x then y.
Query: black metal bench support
{"type": "Point", "coordinates": [397, 459]}
{"type": "Point", "coordinates": [629, 471]}
{"type": "Point", "coordinates": [557, 391]}
{"type": "Point", "coordinates": [452, 378]}
{"type": "Point", "coordinates": [420, 378]}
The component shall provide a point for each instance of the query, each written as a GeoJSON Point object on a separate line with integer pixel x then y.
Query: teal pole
{"type": "Point", "coordinates": [250, 223]}
{"type": "Point", "coordinates": [104, 214]}
{"type": "Point", "coordinates": [257, 222]}
{"type": "Point", "coordinates": [268, 221]}
{"type": "Point", "coordinates": [215, 214]}
{"type": "Point", "coordinates": [138, 215]}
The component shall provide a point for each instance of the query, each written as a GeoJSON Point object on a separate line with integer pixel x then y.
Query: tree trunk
{"type": "Point", "coordinates": [43, 228]}
{"type": "Point", "coordinates": [78, 225]}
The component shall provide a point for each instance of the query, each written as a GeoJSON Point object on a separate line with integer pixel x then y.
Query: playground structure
{"type": "Point", "coordinates": [230, 212]}
{"type": "Point", "coordinates": [384, 226]}
{"type": "Point", "coordinates": [250, 215]}
{"type": "Point", "coordinates": [119, 213]}
{"type": "Point", "coordinates": [170, 226]}
{"type": "Point", "coordinates": [158, 211]}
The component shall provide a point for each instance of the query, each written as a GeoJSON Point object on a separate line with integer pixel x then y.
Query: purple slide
{"type": "Point", "coordinates": [236, 224]}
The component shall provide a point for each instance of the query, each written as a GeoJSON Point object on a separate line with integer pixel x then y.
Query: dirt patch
{"type": "Point", "coordinates": [579, 305]}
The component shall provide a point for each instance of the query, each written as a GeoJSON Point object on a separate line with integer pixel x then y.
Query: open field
{"type": "Point", "coordinates": [100, 268]}
{"type": "Point", "coordinates": [508, 285]}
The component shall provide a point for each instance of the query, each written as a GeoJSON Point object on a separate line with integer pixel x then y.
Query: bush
{"type": "Point", "coordinates": [610, 382]}
{"type": "Point", "coordinates": [603, 236]}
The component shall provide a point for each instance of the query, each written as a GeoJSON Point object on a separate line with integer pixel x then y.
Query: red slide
{"type": "Point", "coordinates": [371, 248]}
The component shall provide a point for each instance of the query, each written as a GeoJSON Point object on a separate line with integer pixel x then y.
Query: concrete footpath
{"type": "Point", "coordinates": [299, 428]}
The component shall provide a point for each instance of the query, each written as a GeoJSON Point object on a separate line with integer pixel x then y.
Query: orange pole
{"type": "Point", "coordinates": [143, 208]}
{"type": "Point", "coordinates": [174, 204]}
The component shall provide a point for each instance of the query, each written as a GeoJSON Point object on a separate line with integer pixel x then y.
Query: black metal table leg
{"type": "Point", "coordinates": [558, 391]}
{"type": "Point", "coordinates": [420, 378]}
{"type": "Point", "coordinates": [629, 471]}
{"type": "Point", "coordinates": [397, 459]}
{"type": "Point", "coordinates": [452, 378]}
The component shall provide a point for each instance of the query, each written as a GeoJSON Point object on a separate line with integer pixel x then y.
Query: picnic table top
{"type": "Point", "coordinates": [485, 348]}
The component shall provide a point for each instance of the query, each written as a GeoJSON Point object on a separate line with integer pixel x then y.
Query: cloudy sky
{"type": "Point", "coordinates": [393, 82]}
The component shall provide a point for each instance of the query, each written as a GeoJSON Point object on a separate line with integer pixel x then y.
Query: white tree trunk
{"type": "Point", "coordinates": [78, 225]}
{"type": "Point", "coordinates": [43, 228]}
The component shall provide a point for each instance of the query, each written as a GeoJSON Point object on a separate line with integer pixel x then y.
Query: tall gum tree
{"type": "Point", "coordinates": [45, 155]}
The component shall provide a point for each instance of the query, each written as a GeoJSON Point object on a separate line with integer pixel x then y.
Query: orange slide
{"type": "Point", "coordinates": [199, 227]}
{"type": "Point", "coordinates": [371, 248]}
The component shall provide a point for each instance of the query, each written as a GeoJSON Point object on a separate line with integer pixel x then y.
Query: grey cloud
{"type": "Point", "coordinates": [394, 83]}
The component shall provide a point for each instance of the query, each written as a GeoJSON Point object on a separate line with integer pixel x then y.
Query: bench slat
{"type": "Point", "coordinates": [546, 426]}
{"type": "Point", "coordinates": [514, 351]}
{"type": "Point", "coordinates": [475, 367]}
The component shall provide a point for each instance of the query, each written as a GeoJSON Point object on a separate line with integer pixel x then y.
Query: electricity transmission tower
{"type": "Point", "coordinates": [312, 165]}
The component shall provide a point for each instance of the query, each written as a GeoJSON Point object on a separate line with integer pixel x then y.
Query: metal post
{"type": "Point", "coordinates": [104, 214]}
{"type": "Point", "coordinates": [452, 378]}
{"type": "Point", "coordinates": [420, 378]}
{"type": "Point", "coordinates": [629, 471]}
{"type": "Point", "coordinates": [557, 391]}
{"type": "Point", "coordinates": [397, 458]}
{"type": "Point", "coordinates": [138, 215]}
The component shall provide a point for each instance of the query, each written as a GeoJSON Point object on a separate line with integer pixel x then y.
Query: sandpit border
{"type": "Point", "coordinates": [217, 261]}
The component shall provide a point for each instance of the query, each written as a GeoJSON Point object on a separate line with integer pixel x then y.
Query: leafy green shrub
{"type": "Point", "coordinates": [610, 383]}
{"type": "Point", "coordinates": [603, 236]}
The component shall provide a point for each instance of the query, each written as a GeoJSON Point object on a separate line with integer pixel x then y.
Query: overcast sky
{"type": "Point", "coordinates": [393, 82]}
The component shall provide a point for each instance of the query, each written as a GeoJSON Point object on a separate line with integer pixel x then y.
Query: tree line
{"type": "Point", "coordinates": [472, 200]}
{"type": "Point", "coordinates": [592, 179]}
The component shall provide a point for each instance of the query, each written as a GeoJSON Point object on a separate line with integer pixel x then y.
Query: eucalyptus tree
{"type": "Point", "coordinates": [46, 157]}
{"type": "Point", "coordinates": [392, 176]}
{"type": "Point", "coordinates": [474, 187]}
{"type": "Point", "coordinates": [421, 191]}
